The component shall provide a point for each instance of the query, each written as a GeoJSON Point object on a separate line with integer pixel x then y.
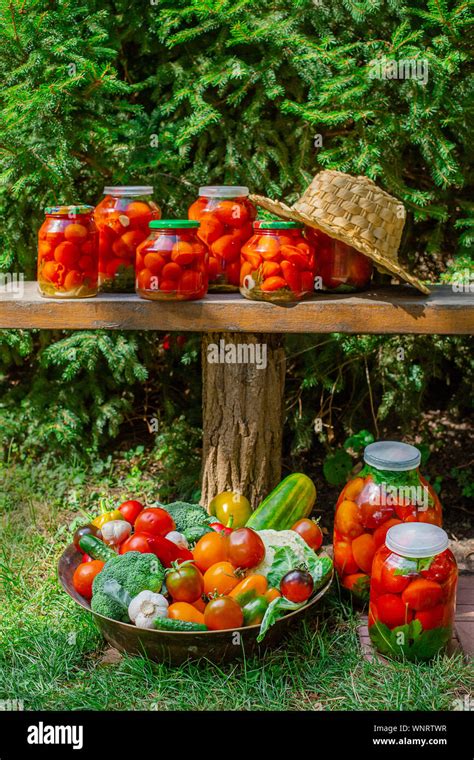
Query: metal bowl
{"type": "Point", "coordinates": [174, 647]}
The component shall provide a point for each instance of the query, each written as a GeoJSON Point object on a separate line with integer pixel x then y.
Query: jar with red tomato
{"type": "Point", "coordinates": [412, 592]}
{"type": "Point", "coordinates": [225, 216]}
{"type": "Point", "coordinates": [122, 219]}
{"type": "Point", "coordinates": [172, 263]}
{"type": "Point", "coordinates": [68, 253]}
{"type": "Point", "coordinates": [388, 491]}
{"type": "Point", "coordinates": [339, 267]}
{"type": "Point", "coordinates": [277, 263]}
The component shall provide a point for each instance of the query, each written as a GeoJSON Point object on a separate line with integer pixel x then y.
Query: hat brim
{"type": "Point", "coordinates": [383, 263]}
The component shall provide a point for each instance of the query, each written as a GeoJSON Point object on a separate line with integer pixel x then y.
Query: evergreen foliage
{"type": "Point", "coordinates": [178, 93]}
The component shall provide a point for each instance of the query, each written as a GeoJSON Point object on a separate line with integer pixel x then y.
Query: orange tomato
{"type": "Point", "coordinates": [353, 489]}
{"type": "Point", "coordinates": [220, 579]}
{"type": "Point", "coordinates": [363, 549]}
{"type": "Point", "coordinates": [253, 258]}
{"type": "Point", "coordinates": [291, 275]}
{"type": "Point", "coordinates": [293, 254]}
{"type": "Point", "coordinates": [271, 269]}
{"type": "Point", "coordinates": [144, 278]}
{"type": "Point", "coordinates": [273, 283]}
{"type": "Point", "coordinates": [344, 561]}
{"type": "Point", "coordinates": [171, 271]}
{"type": "Point", "coordinates": [182, 253]}
{"type": "Point", "coordinates": [422, 594]}
{"type": "Point", "coordinates": [268, 248]}
{"type": "Point", "coordinates": [73, 279]}
{"type": "Point", "coordinates": [252, 583]}
{"type": "Point", "coordinates": [245, 269]}
{"type": "Point", "coordinates": [67, 254]}
{"type": "Point", "coordinates": [154, 262]}
{"type": "Point", "coordinates": [356, 582]}
{"type": "Point", "coordinates": [139, 212]}
{"type": "Point", "coordinates": [222, 614]}
{"type": "Point", "coordinates": [84, 576]}
{"type": "Point", "coordinates": [75, 232]}
{"type": "Point", "coordinates": [227, 247]}
{"type": "Point", "coordinates": [210, 229]}
{"type": "Point", "coordinates": [185, 611]}
{"type": "Point", "coordinates": [381, 532]}
{"type": "Point", "coordinates": [200, 605]}
{"type": "Point", "coordinates": [232, 213]}
{"type": "Point", "coordinates": [271, 594]}
{"type": "Point", "coordinates": [347, 519]}
{"type": "Point", "coordinates": [196, 209]}
{"type": "Point", "coordinates": [209, 550]}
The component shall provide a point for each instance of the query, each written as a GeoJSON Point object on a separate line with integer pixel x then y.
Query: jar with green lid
{"type": "Point", "coordinates": [277, 263]}
{"type": "Point", "coordinates": [68, 253]}
{"type": "Point", "coordinates": [172, 263]}
{"type": "Point", "coordinates": [413, 592]}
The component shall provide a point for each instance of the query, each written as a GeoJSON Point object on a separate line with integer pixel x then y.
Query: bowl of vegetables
{"type": "Point", "coordinates": [172, 582]}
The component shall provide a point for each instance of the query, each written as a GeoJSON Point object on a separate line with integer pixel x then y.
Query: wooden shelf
{"type": "Point", "coordinates": [385, 310]}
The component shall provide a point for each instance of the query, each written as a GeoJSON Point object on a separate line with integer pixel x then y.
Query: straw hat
{"type": "Point", "coordinates": [355, 211]}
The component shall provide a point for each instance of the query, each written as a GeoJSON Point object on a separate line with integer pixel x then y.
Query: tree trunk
{"type": "Point", "coordinates": [243, 410]}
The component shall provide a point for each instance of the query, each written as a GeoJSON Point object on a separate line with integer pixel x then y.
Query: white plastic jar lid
{"type": "Point", "coordinates": [223, 191]}
{"type": "Point", "coordinates": [416, 540]}
{"type": "Point", "coordinates": [128, 190]}
{"type": "Point", "coordinates": [392, 455]}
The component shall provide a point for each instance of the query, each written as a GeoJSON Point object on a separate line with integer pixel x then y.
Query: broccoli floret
{"type": "Point", "coordinates": [191, 520]}
{"type": "Point", "coordinates": [135, 572]}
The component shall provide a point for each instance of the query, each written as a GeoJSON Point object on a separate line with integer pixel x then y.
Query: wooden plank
{"type": "Point", "coordinates": [385, 310]}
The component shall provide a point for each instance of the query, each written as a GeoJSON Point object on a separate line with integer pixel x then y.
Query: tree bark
{"type": "Point", "coordinates": [243, 412]}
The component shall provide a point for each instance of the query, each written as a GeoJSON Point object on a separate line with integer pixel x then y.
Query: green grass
{"type": "Point", "coordinates": [52, 656]}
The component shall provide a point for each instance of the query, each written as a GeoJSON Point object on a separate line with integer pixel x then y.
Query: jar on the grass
{"type": "Point", "coordinates": [122, 218]}
{"type": "Point", "coordinates": [389, 490]}
{"type": "Point", "coordinates": [172, 263]}
{"type": "Point", "coordinates": [68, 253]}
{"type": "Point", "coordinates": [225, 215]}
{"type": "Point", "coordinates": [277, 263]}
{"type": "Point", "coordinates": [413, 592]}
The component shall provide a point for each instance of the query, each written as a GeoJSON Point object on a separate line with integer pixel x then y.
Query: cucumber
{"type": "Point", "coordinates": [96, 548]}
{"type": "Point", "coordinates": [170, 624]}
{"type": "Point", "coordinates": [291, 500]}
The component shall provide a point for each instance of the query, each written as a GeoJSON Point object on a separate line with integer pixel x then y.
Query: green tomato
{"type": "Point", "coordinates": [231, 508]}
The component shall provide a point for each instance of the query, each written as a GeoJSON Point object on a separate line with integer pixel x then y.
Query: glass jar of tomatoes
{"type": "Point", "coordinates": [225, 217]}
{"type": "Point", "coordinates": [122, 219]}
{"type": "Point", "coordinates": [339, 267]}
{"type": "Point", "coordinates": [172, 263]}
{"type": "Point", "coordinates": [389, 490]}
{"type": "Point", "coordinates": [68, 253]}
{"type": "Point", "coordinates": [412, 592]}
{"type": "Point", "coordinates": [277, 263]}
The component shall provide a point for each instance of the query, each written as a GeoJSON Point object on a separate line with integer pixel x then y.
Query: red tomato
{"type": "Point", "coordinates": [130, 510]}
{"type": "Point", "coordinates": [381, 532]}
{"type": "Point", "coordinates": [392, 611]}
{"type": "Point", "coordinates": [84, 576]}
{"type": "Point", "coordinates": [223, 613]}
{"type": "Point", "coordinates": [185, 583]}
{"type": "Point", "coordinates": [406, 512]}
{"type": "Point", "coordinates": [245, 548]}
{"type": "Point", "coordinates": [440, 568]}
{"type": "Point", "coordinates": [139, 542]}
{"type": "Point", "coordinates": [391, 582]}
{"type": "Point", "coordinates": [297, 586]}
{"type": "Point", "coordinates": [422, 594]}
{"type": "Point", "coordinates": [309, 532]}
{"type": "Point", "coordinates": [431, 618]}
{"type": "Point", "coordinates": [155, 521]}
